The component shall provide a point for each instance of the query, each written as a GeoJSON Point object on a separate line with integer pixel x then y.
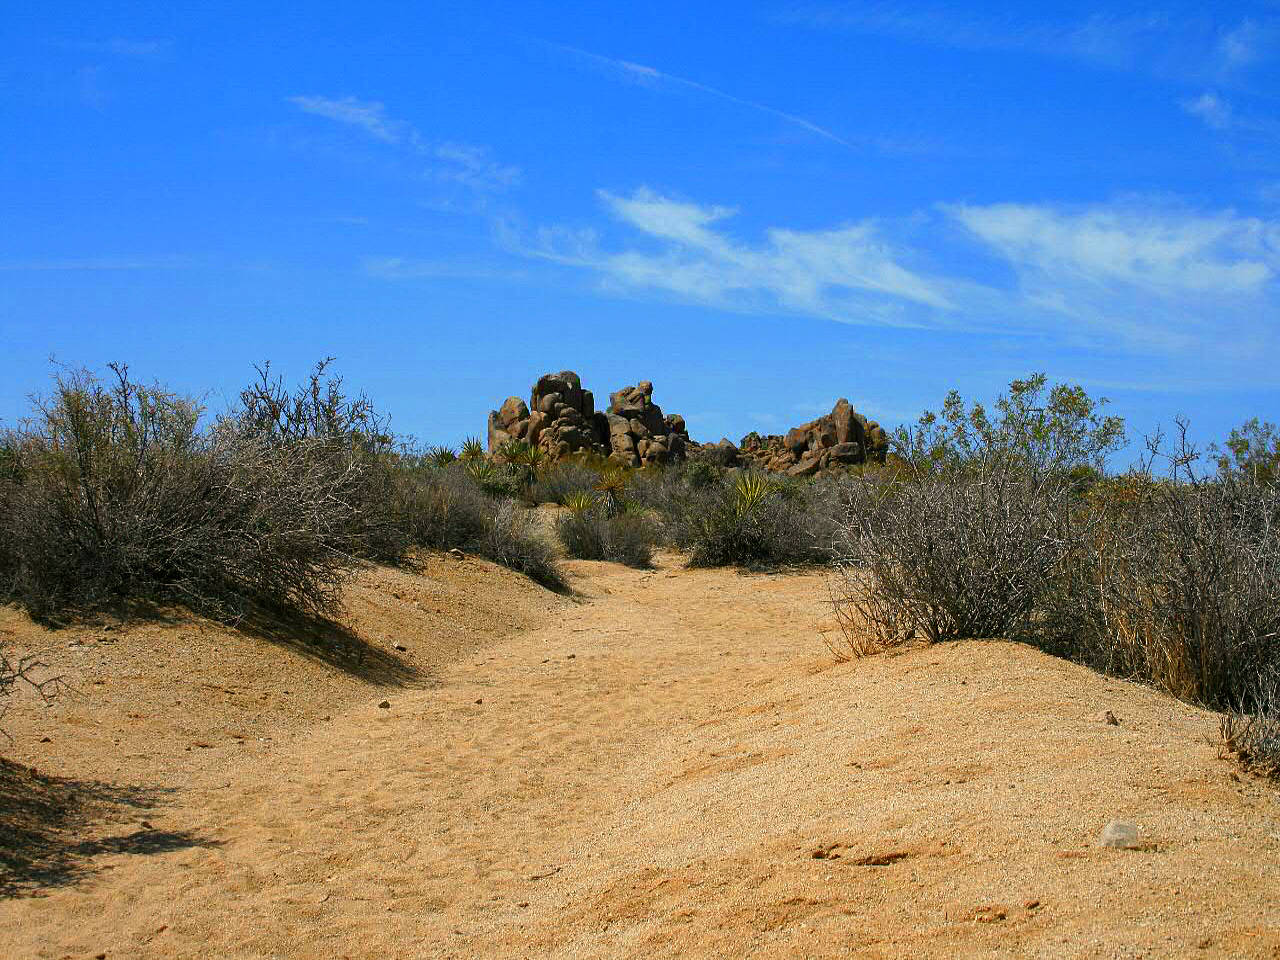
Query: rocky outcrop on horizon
{"type": "Point", "coordinates": [561, 418]}
{"type": "Point", "coordinates": [639, 434]}
{"type": "Point", "coordinates": [840, 438]}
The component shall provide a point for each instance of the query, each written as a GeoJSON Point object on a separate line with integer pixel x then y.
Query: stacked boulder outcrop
{"type": "Point", "coordinates": [561, 418]}
{"type": "Point", "coordinates": [639, 434]}
{"type": "Point", "coordinates": [842, 437]}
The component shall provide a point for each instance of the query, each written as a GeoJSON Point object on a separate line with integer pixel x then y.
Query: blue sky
{"type": "Point", "coordinates": [759, 207]}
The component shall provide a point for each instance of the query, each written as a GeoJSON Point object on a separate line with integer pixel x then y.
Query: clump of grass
{"type": "Point", "coordinates": [560, 482]}
{"type": "Point", "coordinates": [754, 521]}
{"type": "Point", "coordinates": [587, 532]}
{"type": "Point", "coordinates": [1250, 730]}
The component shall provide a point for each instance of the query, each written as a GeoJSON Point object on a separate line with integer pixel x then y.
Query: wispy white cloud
{"type": "Point", "coordinates": [1165, 253]}
{"type": "Point", "coordinates": [122, 47]}
{"type": "Point", "coordinates": [850, 273]}
{"type": "Point", "coordinates": [1134, 275]}
{"type": "Point", "coordinates": [1149, 276]}
{"type": "Point", "coordinates": [646, 75]}
{"type": "Point", "coordinates": [369, 115]}
{"type": "Point", "coordinates": [1196, 46]}
{"type": "Point", "coordinates": [1210, 108]}
{"type": "Point", "coordinates": [462, 163]}
{"type": "Point", "coordinates": [472, 166]}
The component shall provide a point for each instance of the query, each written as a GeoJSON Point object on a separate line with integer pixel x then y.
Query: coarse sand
{"type": "Point", "coordinates": [668, 764]}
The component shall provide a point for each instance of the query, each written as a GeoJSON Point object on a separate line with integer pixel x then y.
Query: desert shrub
{"type": "Point", "coordinates": [524, 461]}
{"type": "Point", "coordinates": [497, 480]}
{"type": "Point", "coordinates": [948, 556]}
{"type": "Point", "coordinates": [445, 507]}
{"type": "Point", "coordinates": [752, 521]}
{"type": "Point", "coordinates": [738, 518]}
{"type": "Point", "coordinates": [558, 483]}
{"type": "Point", "coordinates": [1250, 728]}
{"type": "Point", "coordinates": [660, 489]}
{"type": "Point", "coordinates": [510, 538]}
{"type": "Point", "coordinates": [112, 491]}
{"type": "Point", "coordinates": [969, 534]}
{"type": "Point", "coordinates": [321, 415]}
{"type": "Point", "coordinates": [440, 507]}
{"type": "Point", "coordinates": [1186, 586]}
{"type": "Point", "coordinates": [588, 534]}
{"type": "Point", "coordinates": [702, 473]}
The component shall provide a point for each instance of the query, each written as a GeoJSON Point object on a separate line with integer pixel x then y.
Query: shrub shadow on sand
{"type": "Point", "coordinates": [50, 826]}
{"type": "Point", "coordinates": [334, 644]}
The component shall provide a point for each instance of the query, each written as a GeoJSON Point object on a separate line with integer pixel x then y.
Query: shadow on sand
{"type": "Point", "coordinates": [333, 644]}
{"type": "Point", "coordinates": [44, 820]}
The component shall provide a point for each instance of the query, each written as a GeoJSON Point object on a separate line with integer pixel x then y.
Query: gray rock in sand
{"type": "Point", "coordinates": [1120, 835]}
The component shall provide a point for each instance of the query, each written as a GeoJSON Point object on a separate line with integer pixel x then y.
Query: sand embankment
{"type": "Point", "coordinates": [670, 766]}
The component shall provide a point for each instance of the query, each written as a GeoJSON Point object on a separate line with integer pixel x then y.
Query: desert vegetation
{"type": "Point", "coordinates": [1005, 524]}
{"type": "Point", "coordinates": [970, 523]}
{"type": "Point", "coordinates": [115, 490]}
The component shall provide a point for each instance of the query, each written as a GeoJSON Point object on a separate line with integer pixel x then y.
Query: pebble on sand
{"type": "Point", "coordinates": [1120, 835]}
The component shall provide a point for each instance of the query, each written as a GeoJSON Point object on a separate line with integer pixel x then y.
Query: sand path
{"type": "Point", "coordinates": [675, 767]}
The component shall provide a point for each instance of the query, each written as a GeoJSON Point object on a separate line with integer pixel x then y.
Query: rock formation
{"type": "Point", "coordinates": [561, 418]}
{"type": "Point", "coordinates": [638, 432]}
{"type": "Point", "coordinates": [842, 437]}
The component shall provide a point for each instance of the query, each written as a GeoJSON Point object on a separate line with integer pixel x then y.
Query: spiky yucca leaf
{"type": "Point", "coordinates": [612, 485]}
{"type": "Point", "coordinates": [441, 456]}
{"type": "Point", "coordinates": [613, 480]}
{"type": "Point", "coordinates": [580, 503]}
{"type": "Point", "coordinates": [472, 450]}
{"type": "Point", "coordinates": [751, 490]}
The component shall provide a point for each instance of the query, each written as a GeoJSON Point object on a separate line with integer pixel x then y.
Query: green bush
{"type": "Point", "coordinates": [1253, 451]}
{"type": "Point", "coordinates": [755, 521]}
{"type": "Point", "coordinates": [112, 491]}
{"type": "Point", "coordinates": [558, 483]}
{"type": "Point", "coordinates": [588, 534]}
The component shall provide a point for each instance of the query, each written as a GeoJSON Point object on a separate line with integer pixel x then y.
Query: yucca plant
{"type": "Point", "coordinates": [441, 456]}
{"type": "Point", "coordinates": [751, 490]}
{"type": "Point", "coordinates": [580, 503]}
{"type": "Point", "coordinates": [494, 479]}
{"type": "Point", "coordinates": [472, 450]}
{"type": "Point", "coordinates": [527, 460]}
{"type": "Point", "coordinates": [612, 485]}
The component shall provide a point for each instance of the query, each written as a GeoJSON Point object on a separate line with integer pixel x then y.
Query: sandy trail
{"type": "Point", "coordinates": [650, 772]}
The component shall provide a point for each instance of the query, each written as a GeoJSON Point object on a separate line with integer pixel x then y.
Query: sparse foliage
{"type": "Point", "coordinates": [588, 533]}
{"type": "Point", "coordinates": [1252, 450]}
